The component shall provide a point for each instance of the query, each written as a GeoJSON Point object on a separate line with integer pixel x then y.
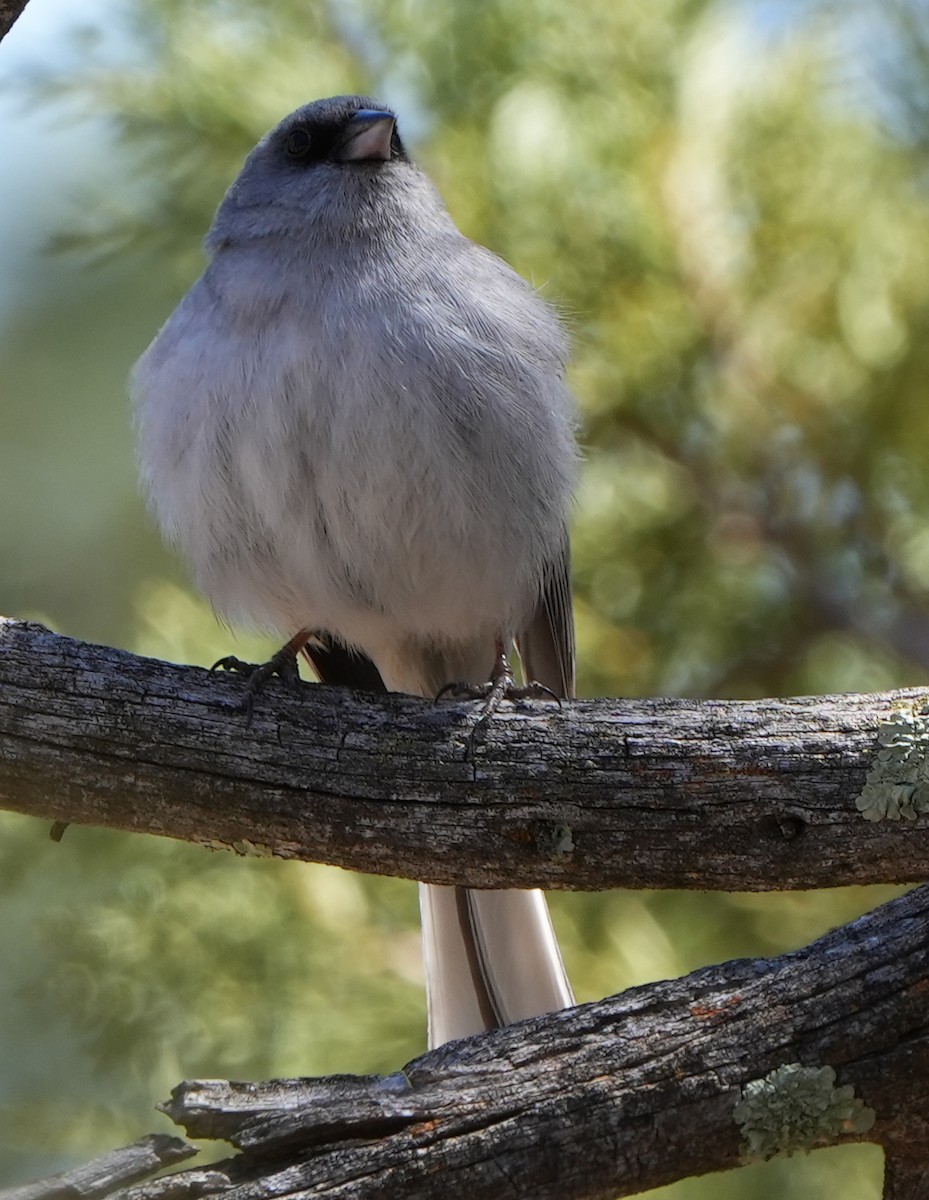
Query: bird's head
{"type": "Point", "coordinates": [319, 164]}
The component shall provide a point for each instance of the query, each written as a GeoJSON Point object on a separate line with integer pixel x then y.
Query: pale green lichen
{"type": "Point", "coordinates": [553, 839]}
{"type": "Point", "coordinates": [897, 786]}
{"type": "Point", "coordinates": [797, 1108]}
{"type": "Point", "coordinates": [564, 841]}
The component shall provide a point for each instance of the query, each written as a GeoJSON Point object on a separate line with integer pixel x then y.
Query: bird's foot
{"type": "Point", "coordinates": [283, 664]}
{"type": "Point", "coordinates": [501, 686]}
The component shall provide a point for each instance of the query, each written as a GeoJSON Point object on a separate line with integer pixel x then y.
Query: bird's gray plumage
{"type": "Point", "coordinates": [356, 422]}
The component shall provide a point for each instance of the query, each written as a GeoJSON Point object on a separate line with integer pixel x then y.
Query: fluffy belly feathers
{"type": "Point", "coordinates": [288, 523]}
{"type": "Point", "coordinates": [302, 499]}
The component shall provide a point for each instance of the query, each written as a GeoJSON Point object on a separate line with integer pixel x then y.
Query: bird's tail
{"type": "Point", "coordinates": [491, 958]}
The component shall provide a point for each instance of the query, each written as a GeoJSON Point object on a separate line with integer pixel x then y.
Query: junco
{"type": "Point", "coordinates": [356, 428]}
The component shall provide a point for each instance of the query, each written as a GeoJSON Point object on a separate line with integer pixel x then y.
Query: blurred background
{"type": "Point", "coordinates": [729, 201]}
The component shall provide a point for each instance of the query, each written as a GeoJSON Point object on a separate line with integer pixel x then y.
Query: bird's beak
{"type": "Point", "coordinates": [367, 136]}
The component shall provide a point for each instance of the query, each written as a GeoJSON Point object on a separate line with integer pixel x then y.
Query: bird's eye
{"type": "Point", "coordinates": [298, 143]}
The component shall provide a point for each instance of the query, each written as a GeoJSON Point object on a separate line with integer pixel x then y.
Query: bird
{"type": "Point", "coordinates": [356, 429]}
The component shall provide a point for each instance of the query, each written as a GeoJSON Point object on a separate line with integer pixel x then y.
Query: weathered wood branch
{"type": "Point", "coordinates": [732, 795]}
{"type": "Point", "coordinates": [607, 1099]}
{"type": "Point", "coordinates": [103, 1175]}
{"type": "Point", "coordinates": [9, 11]}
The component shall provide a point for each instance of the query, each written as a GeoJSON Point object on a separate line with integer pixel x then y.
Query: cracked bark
{"type": "Point", "coordinates": [103, 1175]}
{"type": "Point", "coordinates": [730, 795]}
{"type": "Point", "coordinates": [9, 11]}
{"type": "Point", "coordinates": [604, 1100]}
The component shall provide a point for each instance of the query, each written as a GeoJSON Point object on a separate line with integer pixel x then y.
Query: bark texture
{"type": "Point", "coordinates": [9, 11]}
{"type": "Point", "coordinates": [732, 795]}
{"type": "Point", "coordinates": [603, 1100]}
{"type": "Point", "coordinates": [607, 1099]}
{"type": "Point", "coordinates": [104, 1175]}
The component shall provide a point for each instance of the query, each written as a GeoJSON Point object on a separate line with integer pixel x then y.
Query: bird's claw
{"type": "Point", "coordinates": [283, 664]}
{"type": "Point", "coordinates": [501, 686]}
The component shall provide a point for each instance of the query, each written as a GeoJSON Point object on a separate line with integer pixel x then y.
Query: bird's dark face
{"type": "Point", "coordinates": [321, 167]}
{"type": "Point", "coordinates": [343, 130]}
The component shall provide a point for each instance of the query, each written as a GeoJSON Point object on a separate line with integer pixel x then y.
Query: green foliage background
{"type": "Point", "coordinates": [729, 203]}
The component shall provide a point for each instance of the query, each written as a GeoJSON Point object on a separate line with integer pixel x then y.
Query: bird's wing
{"type": "Point", "coordinates": [546, 645]}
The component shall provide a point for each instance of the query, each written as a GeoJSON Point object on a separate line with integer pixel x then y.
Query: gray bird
{"type": "Point", "coordinates": [355, 427]}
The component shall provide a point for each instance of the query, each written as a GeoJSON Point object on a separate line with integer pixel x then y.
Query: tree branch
{"type": "Point", "coordinates": [103, 1175]}
{"type": "Point", "coordinates": [735, 795]}
{"type": "Point", "coordinates": [602, 1100]}
{"type": "Point", "coordinates": [606, 1099]}
{"type": "Point", "coordinates": [9, 11]}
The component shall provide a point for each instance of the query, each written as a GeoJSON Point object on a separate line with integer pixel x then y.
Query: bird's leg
{"type": "Point", "coordinates": [501, 686]}
{"type": "Point", "coordinates": [282, 664]}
